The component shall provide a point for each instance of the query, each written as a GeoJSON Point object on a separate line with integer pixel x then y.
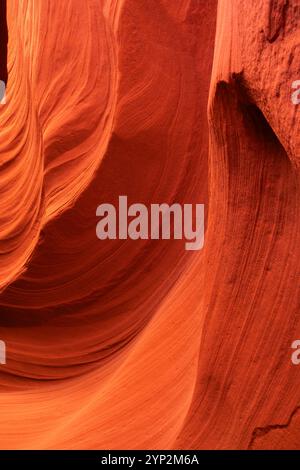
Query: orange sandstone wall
{"type": "Point", "coordinates": [139, 344]}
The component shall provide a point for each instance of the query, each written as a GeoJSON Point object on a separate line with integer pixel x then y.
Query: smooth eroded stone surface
{"type": "Point", "coordinates": [121, 344]}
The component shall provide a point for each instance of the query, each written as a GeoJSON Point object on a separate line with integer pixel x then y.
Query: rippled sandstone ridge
{"type": "Point", "coordinates": [141, 344]}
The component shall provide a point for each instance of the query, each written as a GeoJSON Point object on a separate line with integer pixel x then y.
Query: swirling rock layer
{"type": "Point", "coordinates": [141, 344]}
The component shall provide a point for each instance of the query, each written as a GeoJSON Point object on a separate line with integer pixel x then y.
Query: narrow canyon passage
{"type": "Point", "coordinates": [141, 344]}
{"type": "Point", "coordinates": [3, 42]}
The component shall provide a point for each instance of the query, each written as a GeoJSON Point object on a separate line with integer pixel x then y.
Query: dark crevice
{"type": "Point", "coordinates": [253, 115]}
{"type": "Point", "coordinates": [236, 95]}
{"type": "Point", "coordinates": [277, 19]}
{"type": "Point", "coordinates": [3, 42]}
{"type": "Point", "coordinates": [262, 431]}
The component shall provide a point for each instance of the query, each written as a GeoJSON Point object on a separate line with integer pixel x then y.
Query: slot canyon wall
{"type": "Point", "coordinates": [123, 344]}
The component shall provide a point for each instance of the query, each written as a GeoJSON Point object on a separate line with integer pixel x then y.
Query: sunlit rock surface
{"type": "Point", "coordinates": [142, 344]}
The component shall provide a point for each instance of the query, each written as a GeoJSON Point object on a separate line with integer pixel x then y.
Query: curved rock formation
{"type": "Point", "coordinates": [141, 344]}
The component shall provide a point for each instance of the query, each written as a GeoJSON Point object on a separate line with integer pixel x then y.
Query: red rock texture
{"type": "Point", "coordinates": [141, 344]}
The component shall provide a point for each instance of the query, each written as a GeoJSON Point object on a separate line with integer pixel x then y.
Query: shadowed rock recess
{"type": "Point", "coordinates": [140, 344]}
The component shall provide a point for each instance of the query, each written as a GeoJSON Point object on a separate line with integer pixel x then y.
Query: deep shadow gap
{"type": "Point", "coordinates": [3, 41]}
